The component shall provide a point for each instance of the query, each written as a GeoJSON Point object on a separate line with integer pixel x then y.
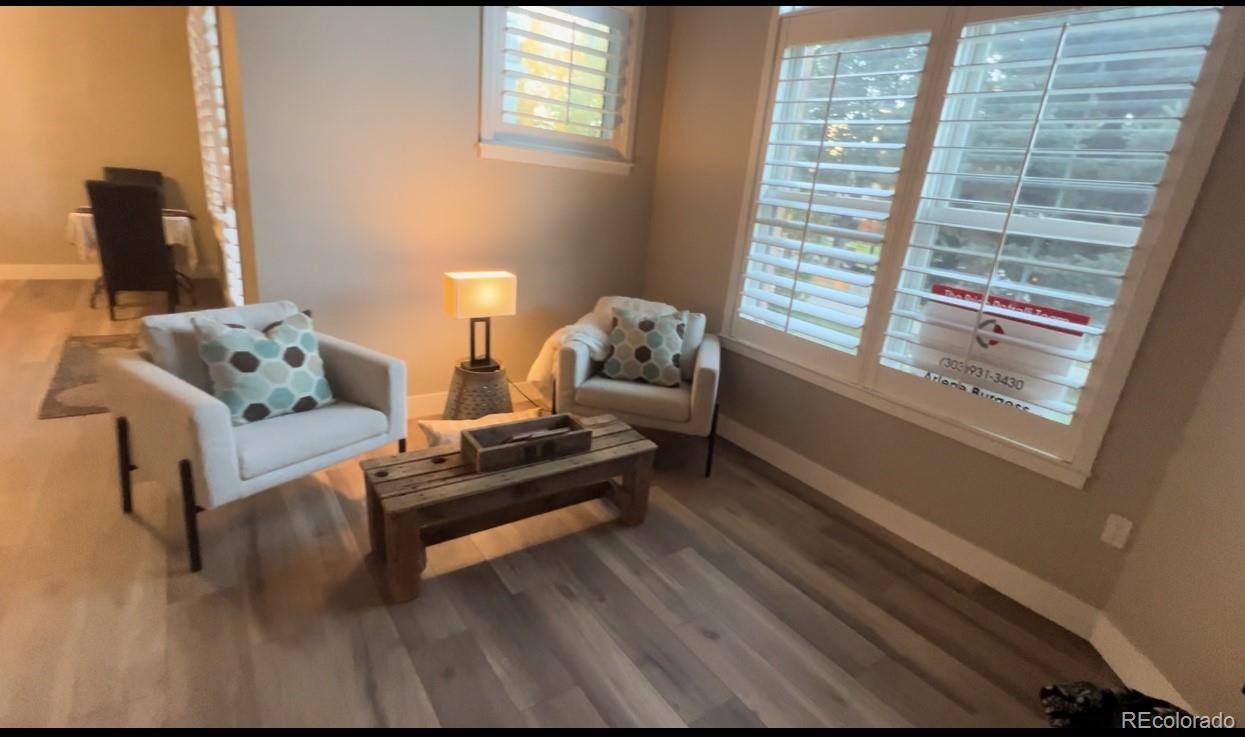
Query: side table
{"type": "Point", "coordinates": [477, 393]}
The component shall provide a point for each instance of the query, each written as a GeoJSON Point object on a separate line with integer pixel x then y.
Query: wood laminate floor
{"type": "Point", "coordinates": [737, 603]}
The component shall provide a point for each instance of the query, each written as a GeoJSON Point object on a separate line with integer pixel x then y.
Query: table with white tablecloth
{"type": "Point", "coordinates": [178, 230]}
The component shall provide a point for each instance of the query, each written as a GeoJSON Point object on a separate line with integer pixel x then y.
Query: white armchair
{"type": "Point", "coordinates": [690, 408]}
{"type": "Point", "coordinates": [171, 429]}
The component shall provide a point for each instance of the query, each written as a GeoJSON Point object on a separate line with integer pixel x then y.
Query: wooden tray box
{"type": "Point", "coordinates": [488, 449]}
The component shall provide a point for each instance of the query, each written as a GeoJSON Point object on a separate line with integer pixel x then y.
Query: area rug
{"type": "Point", "coordinates": [75, 388]}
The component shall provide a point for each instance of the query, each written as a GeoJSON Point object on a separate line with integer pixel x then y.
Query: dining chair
{"type": "Point", "coordinates": [144, 177]}
{"type": "Point", "coordinates": [130, 230]}
{"type": "Point", "coordinates": [147, 178]}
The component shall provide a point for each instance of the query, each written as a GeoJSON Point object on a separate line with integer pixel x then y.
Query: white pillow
{"type": "Point", "coordinates": [449, 432]}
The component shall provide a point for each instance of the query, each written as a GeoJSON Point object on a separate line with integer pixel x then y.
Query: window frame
{"type": "Point", "coordinates": [499, 140]}
{"type": "Point", "coordinates": [1062, 452]}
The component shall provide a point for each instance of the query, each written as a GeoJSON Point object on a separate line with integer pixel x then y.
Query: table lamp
{"type": "Point", "coordinates": [480, 296]}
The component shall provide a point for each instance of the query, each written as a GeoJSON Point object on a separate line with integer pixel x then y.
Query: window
{"type": "Point", "coordinates": [205, 66]}
{"type": "Point", "coordinates": [840, 123]}
{"type": "Point", "coordinates": [559, 84]}
{"type": "Point", "coordinates": [952, 210]}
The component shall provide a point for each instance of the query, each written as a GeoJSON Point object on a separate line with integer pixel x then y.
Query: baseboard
{"type": "Point", "coordinates": [432, 404]}
{"type": "Point", "coordinates": [1131, 664]}
{"type": "Point", "coordinates": [21, 272]}
{"type": "Point", "coordinates": [1030, 590]}
{"type": "Point", "coordinates": [1034, 592]}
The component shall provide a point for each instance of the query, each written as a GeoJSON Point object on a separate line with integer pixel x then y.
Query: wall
{"type": "Point", "coordinates": [83, 88]}
{"type": "Point", "coordinates": [365, 184]}
{"type": "Point", "coordinates": [1181, 595]}
{"type": "Point", "coordinates": [1036, 523]}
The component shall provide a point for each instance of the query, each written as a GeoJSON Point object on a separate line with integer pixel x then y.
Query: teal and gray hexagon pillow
{"type": "Point", "coordinates": [645, 348]}
{"type": "Point", "coordinates": [264, 373]}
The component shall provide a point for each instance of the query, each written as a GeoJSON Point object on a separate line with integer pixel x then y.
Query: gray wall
{"type": "Point", "coordinates": [365, 184]}
{"type": "Point", "coordinates": [85, 88]}
{"type": "Point", "coordinates": [1041, 525]}
{"type": "Point", "coordinates": [1181, 595]}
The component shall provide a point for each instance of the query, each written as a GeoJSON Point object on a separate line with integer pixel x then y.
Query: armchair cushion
{"type": "Point", "coordinates": [172, 344]}
{"type": "Point", "coordinates": [263, 374]}
{"type": "Point", "coordinates": [669, 403]}
{"type": "Point", "coordinates": [289, 439]}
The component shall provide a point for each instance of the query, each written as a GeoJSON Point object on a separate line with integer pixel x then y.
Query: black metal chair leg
{"type": "Point", "coordinates": [190, 511]}
{"type": "Point", "coordinates": [401, 445]}
{"type": "Point", "coordinates": [713, 437]}
{"type": "Point", "coordinates": [123, 461]}
{"type": "Point", "coordinates": [188, 284]}
{"type": "Point", "coordinates": [96, 289]}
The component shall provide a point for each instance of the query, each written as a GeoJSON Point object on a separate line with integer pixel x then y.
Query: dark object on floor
{"type": "Point", "coordinates": [75, 389]}
{"type": "Point", "coordinates": [1082, 704]}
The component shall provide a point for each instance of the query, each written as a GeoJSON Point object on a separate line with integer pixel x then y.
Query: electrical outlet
{"type": "Point", "coordinates": [1116, 531]}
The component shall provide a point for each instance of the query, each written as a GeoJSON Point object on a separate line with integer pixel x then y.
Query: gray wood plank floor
{"type": "Point", "coordinates": [744, 600]}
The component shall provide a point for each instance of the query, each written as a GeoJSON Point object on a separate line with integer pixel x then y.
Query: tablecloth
{"type": "Point", "coordinates": [178, 230]}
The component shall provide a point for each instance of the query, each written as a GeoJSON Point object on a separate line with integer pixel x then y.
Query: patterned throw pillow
{"type": "Point", "coordinates": [645, 348]}
{"type": "Point", "coordinates": [264, 373]}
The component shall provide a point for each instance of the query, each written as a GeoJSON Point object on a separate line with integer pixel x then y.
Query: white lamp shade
{"type": "Point", "coordinates": [480, 293]}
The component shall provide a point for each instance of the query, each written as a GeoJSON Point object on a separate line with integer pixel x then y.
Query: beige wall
{"type": "Point", "coordinates": [365, 183]}
{"type": "Point", "coordinates": [1181, 595]}
{"type": "Point", "coordinates": [1047, 528]}
{"type": "Point", "coordinates": [712, 80]}
{"type": "Point", "coordinates": [84, 88]}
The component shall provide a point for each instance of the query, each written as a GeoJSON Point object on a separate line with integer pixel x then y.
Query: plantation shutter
{"type": "Point", "coordinates": [838, 128]}
{"type": "Point", "coordinates": [1054, 133]}
{"type": "Point", "coordinates": [563, 69]}
{"type": "Point", "coordinates": [205, 66]}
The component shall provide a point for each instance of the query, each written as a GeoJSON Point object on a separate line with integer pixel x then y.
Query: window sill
{"type": "Point", "coordinates": [975, 437]}
{"type": "Point", "coordinates": [530, 154]}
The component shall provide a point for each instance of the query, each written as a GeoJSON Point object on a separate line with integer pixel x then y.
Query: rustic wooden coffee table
{"type": "Point", "coordinates": [430, 496]}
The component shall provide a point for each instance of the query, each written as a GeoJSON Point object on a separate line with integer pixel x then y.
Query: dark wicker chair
{"type": "Point", "coordinates": [130, 230]}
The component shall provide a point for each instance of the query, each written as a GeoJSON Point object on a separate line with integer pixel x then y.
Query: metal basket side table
{"type": "Point", "coordinates": [477, 393]}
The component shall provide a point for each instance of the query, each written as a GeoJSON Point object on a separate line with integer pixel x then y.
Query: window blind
{"type": "Point", "coordinates": [839, 125]}
{"type": "Point", "coordinates": [1053, 135]}
{"type": "Point", "coordinates": [563, 69]}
